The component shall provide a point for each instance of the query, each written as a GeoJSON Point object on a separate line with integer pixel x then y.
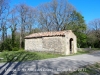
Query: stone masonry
{"type": "Point", "coordinates": [60, 41]}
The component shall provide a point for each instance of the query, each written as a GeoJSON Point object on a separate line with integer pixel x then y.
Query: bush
{"type": "Point", "coordinates": [15, 49]}
{"type": "Point", "coordinates": [7, 45]}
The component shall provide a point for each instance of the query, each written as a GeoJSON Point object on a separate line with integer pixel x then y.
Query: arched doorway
{"type": "Point", "coordinates": [70, 45]}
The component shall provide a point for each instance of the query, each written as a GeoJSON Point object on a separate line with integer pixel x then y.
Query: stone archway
{"type": "Point", "coordinates": [71, 45]}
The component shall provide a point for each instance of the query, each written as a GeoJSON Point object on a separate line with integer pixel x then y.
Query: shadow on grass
{"type": "Point", "coordinates": [14, 60]}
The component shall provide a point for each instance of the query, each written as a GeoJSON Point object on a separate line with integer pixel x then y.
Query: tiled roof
{"type": "Point", "coordinates": [44, 34]}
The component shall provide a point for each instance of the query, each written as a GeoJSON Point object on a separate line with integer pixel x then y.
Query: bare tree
{"type": "Point", "coordinates": [26, 20]}
{"type": "Point", "coordinates": [13, 22]}
{"type": "Point", "coordinates": [95, 32]}
{"type": "Point", "coordinates": [45, 17]}
{"type": "Point", "coordinates": [4, 12]}
{"type": "Point", "coordinates": [55, 14]}
{"type": "Point", "coordinates": [95, 24]}
{"type": "Point", "coordinates": [61, 12]}
{"type": "Point", "coordinates": [31, 19]}
{"type": "Point", "coordinates": [22, 11]}
{"type": "Point", "coordinates": [91, 36]}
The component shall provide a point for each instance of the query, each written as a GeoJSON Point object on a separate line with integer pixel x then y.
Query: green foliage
{"type": "Point", "coordinates": [8, 45]}
{"type": "Point", "coordinates": [22, 44]}
{"type": "Point", "coordinates": [12, 56]}
{"type": "Point", "coordinates": [78, 26]}
{"type": "Point", "coordinates": [76, 22]}
{"type": "Point", "coordinates": [92, 39]}
{"type": "Point", "coordinates": [81, 39]}
{"type": "Point", "coordinates": [15, 49]}
{"type": "Point", "coordinates": [36, 30]}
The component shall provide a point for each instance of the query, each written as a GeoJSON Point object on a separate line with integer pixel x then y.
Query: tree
{"type": "Point", "coordinates": [61, 12]}
{"type": "Point", "coordinates": [13, 22]}
{"type": "Point", "coordinates": [91, 38]}
{"type": "Point", "coordinates": [95, 24]}
{"type": "Point", "coordinates": [6, 45]}
{"type": "Point", "coordinates": [31, 18]}
{"type": "Point", "coordinates": [22, 11]}
{"type": "Point", "coordinates": [27, 16]}
{"type": "Point", "coordinates": [4, 12]}
{"type": "Point", "coordinates": [45, 18]}
{"type": "Point", "coordinates": [77, 24]}
{"type": "Point", "coordinates": [53, 15]}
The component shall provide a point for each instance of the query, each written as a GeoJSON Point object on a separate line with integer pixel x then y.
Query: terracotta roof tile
{"type": "Point", "coordinates": [44, 34]}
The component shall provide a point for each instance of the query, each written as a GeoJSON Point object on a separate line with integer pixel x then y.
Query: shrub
{"type": "Point", "coordinates": [15, 49]}
{"type": "Point", "coordinates": [6, 45]}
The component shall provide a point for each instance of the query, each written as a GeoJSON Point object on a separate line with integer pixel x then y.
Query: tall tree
{"type": "Point", "coordinates": [91, 36]}
{"type": "Point", "coordinates": [53, 15]}
{"type": "Point", "coordinates": [22, 11]}
{"type": "Point", "coordinates": [31, 19]}
{"type": "Point", "coordinates": [77, 24]}
{"type": "Point", "coordinates": [45, 18]}
{"type": "Point", "coordinates": [95, 24]}
{"type": "Point", "coordinates": [26, 19]}
{"type": "Point", "coordinates": [61, 12]}
{"type": "Point", "coordinates": [4, 12]}
{"type": "Point", "coordinates": [13, 21]}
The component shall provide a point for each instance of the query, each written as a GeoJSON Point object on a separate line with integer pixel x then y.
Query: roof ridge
{"type": "Point", "coordinates": [51, 33]}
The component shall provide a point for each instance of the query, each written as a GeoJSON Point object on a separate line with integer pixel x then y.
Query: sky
{"type": "Point", "coordinates": [90, 9]}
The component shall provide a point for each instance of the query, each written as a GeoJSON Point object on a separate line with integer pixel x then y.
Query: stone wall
{"type": "Point", "coordinates": [74, 43]}
{"type": "Point", "coordinates": [55, 44]}
{"type": "Point", "coordinates": [33, 44]}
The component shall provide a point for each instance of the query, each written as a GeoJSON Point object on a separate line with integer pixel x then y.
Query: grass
{"type": "Point", "coordinates": [93, 69]}
{"type": "Point", "coordinates": [13, 56]}
{"type": "Point", "coordinates": [80, 52]}
{"type": "Point", "coordinates": [21, 55]}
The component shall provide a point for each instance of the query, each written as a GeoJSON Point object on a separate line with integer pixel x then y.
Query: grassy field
{"type": "Point", "coordinates": [13, 56]}
{"type": "Point", "coordinates": [21, 55]}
